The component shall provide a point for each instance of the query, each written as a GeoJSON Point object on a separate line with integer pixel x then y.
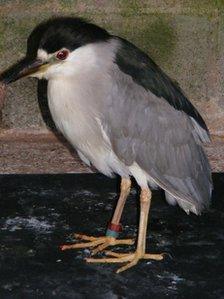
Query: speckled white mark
{"type": "Point", "coordinates": [172, 279]}
{"type": "Point", "coordinates": [84, 193]}
{"type": "Point", "coordinates": [32, 223]}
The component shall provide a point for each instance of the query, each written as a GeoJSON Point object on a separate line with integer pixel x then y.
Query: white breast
{"type": "Point", "coordinates": [76, 114]}
{"type": "Point", "coordinates": [77, 91]}
{"type": "Point", "coordinates": [72, 113]}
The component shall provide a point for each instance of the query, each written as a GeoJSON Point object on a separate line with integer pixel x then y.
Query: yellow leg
{"type": "Point", "coordinates": [100, 243]}
{"type": "Point", "coordinates": [125, 190]}
{"type": "Point", "coordinates": [133, 258]}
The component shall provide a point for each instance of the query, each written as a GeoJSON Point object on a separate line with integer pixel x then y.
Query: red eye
{"type": "Point", "coordinates": [62, 55]}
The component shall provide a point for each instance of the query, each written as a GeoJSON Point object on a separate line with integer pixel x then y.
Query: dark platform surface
{"type": "Point", "coordinates": [38, 212]}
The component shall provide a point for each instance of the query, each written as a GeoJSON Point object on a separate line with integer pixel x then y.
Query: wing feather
{"type": "Point", "coordinates": [163, 141]}
{"type": "Point", "coordinates": [145, 72]}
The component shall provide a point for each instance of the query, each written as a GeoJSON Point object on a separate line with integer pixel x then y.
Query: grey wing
{"type": "Point", "coordinates": [164, 142]}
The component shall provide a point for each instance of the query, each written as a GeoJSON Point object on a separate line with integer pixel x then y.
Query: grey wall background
{"type": "Point", "coordinates": [186, 38]}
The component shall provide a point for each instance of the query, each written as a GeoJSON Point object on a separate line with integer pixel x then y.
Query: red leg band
{"type": "Point", "coordinates": [115, 227]}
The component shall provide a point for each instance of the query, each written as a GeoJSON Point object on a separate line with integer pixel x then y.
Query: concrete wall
{"type": "Point", "coordinates": [186, 38]}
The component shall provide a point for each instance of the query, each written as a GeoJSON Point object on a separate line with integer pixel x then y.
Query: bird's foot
{"type": "Point", "coordinates": [100, 243]}
{"type": "Point", "coordinates": [131, 258]}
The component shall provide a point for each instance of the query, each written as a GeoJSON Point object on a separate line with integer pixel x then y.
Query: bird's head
{"type": "Point", "coordinates": [54, 48]}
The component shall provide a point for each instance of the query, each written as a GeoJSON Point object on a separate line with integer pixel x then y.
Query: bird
{"type": "Point", "coordinates": [125, 116]}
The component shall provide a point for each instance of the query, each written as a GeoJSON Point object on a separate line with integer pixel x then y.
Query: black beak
{"type": "Point", "coordinates": [25, 67]}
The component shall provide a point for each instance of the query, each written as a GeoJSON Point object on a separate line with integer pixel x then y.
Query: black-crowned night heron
{"type": "Point", "coordinates": [123, 115]}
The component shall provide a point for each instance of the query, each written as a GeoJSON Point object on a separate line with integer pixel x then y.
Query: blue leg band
{"type": "Point", "coordinates": [112, 233]}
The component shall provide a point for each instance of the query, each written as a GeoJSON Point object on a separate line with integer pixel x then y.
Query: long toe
{"type": "Point", "coordinates": [152, 256]}
{"type": "Point", "coordinates": [128, 265]}
{"type": "Point", "coordinates": [81, 245]}
{"type": "Point", "coordinates": [109, 260]}
{"type": "Point", "coordinates": [157, 257]}
{"type": "Point", "coordinates": [85, 237]}
{"type": "Point", "coordinates": [131, 258]}
{"type": "Point", "coordinates": [115, 254]}
{"type": "Point", "coordinates": [100, 243]}
{"type": "Point", "coordinates": [112, 242]}
{"type": "Point", "coordinates": [100, 248]}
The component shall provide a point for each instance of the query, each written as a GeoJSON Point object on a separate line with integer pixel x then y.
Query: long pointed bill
{"type": "Point", "coordinates": [24, 68]}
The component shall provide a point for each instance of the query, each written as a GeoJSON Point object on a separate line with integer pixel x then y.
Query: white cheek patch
{"type": "Point", "coordinates": [42, 54]}
{"type": "Point", "coordinates": [84, 54]}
